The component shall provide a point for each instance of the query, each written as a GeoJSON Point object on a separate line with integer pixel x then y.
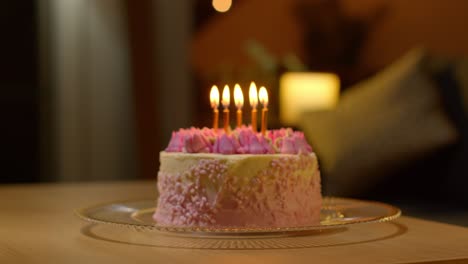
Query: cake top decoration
{"type": "Point", "coordinates": [242, 140]}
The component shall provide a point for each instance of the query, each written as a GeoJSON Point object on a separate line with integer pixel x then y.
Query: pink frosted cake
{"type": "Point", "coordinates": [243, 179]}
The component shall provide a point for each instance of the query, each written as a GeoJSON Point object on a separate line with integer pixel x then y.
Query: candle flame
{"type": "Point", "coordinates": [253, 95]}
{"type": "Point", "coordinates": [226, 99]}
{"type": "Point", "coordinates": [263, 96]}
{"type": "Point", "coordinates": [238, 96]}
{"type": "Point", "coordinates": [214, 96]}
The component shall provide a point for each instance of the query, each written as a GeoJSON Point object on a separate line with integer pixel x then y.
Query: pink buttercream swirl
{"type": "Point", "coordinates": [240, 141]}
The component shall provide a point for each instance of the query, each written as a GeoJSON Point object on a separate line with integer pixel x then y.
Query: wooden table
{"type": "Point", "coordinates": [37, 225]}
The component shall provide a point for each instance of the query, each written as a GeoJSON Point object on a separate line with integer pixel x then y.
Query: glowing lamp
{"type": "Point", "coordinates": [306, 91]}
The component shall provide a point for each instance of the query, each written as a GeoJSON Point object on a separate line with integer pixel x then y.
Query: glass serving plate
{"type": "Point", "coordinates": [335, 213]}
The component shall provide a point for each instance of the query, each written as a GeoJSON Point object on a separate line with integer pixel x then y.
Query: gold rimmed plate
{"type": "Point", "coordinates": [336, 213]}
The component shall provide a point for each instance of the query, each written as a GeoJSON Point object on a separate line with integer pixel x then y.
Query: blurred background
{"type": "Point", "coordinates": [91, 90]}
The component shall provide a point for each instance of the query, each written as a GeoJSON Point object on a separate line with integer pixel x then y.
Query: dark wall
{"type": "Point", "coordinates": [19, 92]}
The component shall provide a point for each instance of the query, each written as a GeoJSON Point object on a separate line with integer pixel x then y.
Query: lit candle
{"type": "Point", "coordinates": [225, 101]}
{"type": "Point", "coordinates": [253, 103]}
{"type": "Point", "coordinates": [239, 102]}
{"type": "Point", "coordinates": [263, 97]}
{"type": "Point", "coordinates": [214, 99]}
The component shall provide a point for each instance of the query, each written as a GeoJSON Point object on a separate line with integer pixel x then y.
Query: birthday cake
{"type": "Point", "coordinates": [211, 178]}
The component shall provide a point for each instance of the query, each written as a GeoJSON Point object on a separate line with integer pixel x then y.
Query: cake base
{"type": "Point", "coordinates": [272, 190]}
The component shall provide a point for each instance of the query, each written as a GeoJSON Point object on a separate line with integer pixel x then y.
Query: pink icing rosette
{"type": "Point", "coordinates": [241, 141]}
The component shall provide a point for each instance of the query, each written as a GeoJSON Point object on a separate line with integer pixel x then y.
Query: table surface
{"type": "Point", "coordinates": [38, 224]}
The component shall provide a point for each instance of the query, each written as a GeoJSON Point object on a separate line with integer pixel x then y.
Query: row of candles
{"type": "Point", "coordinates": [254, 98]}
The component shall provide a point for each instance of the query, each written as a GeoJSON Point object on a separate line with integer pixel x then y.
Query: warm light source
{"type": "Point", "coordinates": [238, 97]}
{"type": "Point", "coordinates": [222, 5]}
{"type": "Point", "coordinates": [239, 102]}
{"type": "Point", "coordinates": [253, 98]}
{"type": "Point", "coordinates": [263, 98]}
{"type": "Point", "coordinates": [226, 100]}
{"type": "Point", "coordinates": [253, 95]}
{"type": "Point", "coordinates": [306, 91]}
{"type": "Point", "coordinates": [214, 100]}
{"type": "Point", "coordinates": [214, 97]}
